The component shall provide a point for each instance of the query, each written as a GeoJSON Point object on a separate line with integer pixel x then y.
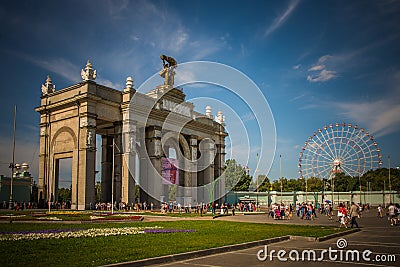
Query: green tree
{"type": "Point", "coordinates": [314, 184]}
{"type": "Point", "coordinates": [244, 183]}
{"type": "Point", "coordinates": [264, 184]}
{"type": "Point", "coordinates": [377, 180]}
{"type": "Point", "coordinates": [234, 174]}
{"type": "Point", "coordinates": [64, 194]}
{"type": "Point", "coordinates": [276, 184]}
{"type": "Point", "coordinates": [294, 185]}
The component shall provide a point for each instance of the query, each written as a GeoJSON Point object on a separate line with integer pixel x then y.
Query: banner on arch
{"type": "Point", "coordinates": [170, 171]}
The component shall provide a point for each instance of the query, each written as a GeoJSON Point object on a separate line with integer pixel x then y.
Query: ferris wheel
{"type": "Point", "coordinates": [339, 148]}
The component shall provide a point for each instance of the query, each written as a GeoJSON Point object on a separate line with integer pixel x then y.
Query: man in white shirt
{"type": "Point", "coordinates": [392, 214]}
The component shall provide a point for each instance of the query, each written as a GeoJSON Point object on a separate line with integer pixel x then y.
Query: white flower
{"type": "Point", "coordinates": [92, 232]}
{"type": "Point", "coordinates": [49, 218]}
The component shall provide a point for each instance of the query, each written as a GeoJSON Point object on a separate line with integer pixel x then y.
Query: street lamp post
{"type": "Point", "coordinates": [359, 179]}
{"type": "Point", "coordinates": [257, 181]}
{"type": "Point", "coordinates": [112, 178]}
{"type": "Point", "coordinates": [12, 165]}
{"type": "Point", "coordinates": [306, 191]}
{"type": "Point", "coordinates": [280, 168]}
{"type": "Point", "coordinates": [384, 190]}
{"type": "Point", "coordinates": [333, 189]}
{"type": "Point", "coordinates": [390, 183]}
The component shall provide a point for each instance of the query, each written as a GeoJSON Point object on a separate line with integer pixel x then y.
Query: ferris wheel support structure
{"type": "Point", "coordinates": [339, 148]}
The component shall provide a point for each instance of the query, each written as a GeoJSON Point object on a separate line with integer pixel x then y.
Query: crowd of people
{"type": "Point", "coordinates": [393, 213]}
{"type": "Point", "coordinates": [23, 205]}
{"type": "Point", "coordinates": [347, 213]}
{"type": "Point", "coordinates": [19, 205]}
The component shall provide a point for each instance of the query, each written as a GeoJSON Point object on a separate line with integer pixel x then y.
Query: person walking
{"type": "Point", "coordinates": [380, 212]}
{"type": "Point", "coordinates": [354, 214]}
{"type": "Point", "coordinates": [392, 214]}
{"type": "Point", "coordinates": [343, 215]}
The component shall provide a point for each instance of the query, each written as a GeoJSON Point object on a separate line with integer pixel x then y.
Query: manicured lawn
{"type": "Point", "coordinates": [94, 251]}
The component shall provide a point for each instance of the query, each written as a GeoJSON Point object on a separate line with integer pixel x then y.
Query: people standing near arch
{"type": "Point", "coordinates": [354, 214]}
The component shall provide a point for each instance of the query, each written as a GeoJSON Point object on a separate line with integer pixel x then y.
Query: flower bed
{"type": "Point", "coordinates": [77, 233]}
{"type": "Point", "coordinates": [53, 218]}
{"type": "Point", "coordinates": [163, 231]}
{"type": "Point", "coordinates": [117, 217]}
{"type": "Point", "coordinates": [12, 216]}
{"type": "Point", "coordinates": [38, 214]}
{"type": "Point", "coordinates": [65, 212]}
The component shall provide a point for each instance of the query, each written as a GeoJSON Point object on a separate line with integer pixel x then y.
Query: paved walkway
{"type": "Point", "coordinates": [376, 235]}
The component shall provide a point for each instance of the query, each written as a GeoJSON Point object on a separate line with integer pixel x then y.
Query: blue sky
{"type": "Point", "coordinates": [316, 62]}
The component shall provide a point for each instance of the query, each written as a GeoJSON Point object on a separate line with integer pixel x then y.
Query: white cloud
{"type": "Point", "coordinates": [380, 117]}
{"type": "Point", "coordinates": [182, 38]}
{"type": "Point", "coordinates": [109, 83]}
{"type": "Point", "coordinates": [116, 8]}
{"type": "Point", "coordinates": [323, 76]}
{"type": "Point", "coordinates": [309, 106]}
{"type": "Point", "coordinates": [296, 67]}
{"type": "Point", "coordinates": [297, 97]}
{"type": "Point", "coordinates": [135, 37]}
{"type": "Point", "coordinates": [59, 66]}
{"type": "Point", "coordinates": [66, 69]}
{"type": "Point", "coordinates": [185, 75]}
{"type": "Point", "coordinates": [281, 19]}
{"type": "Point", "coordinates": [159, 28]}
{"type": "Point", "coordinates": [324, 58]}
{"type": "Point", "coordinates": [317, 67]}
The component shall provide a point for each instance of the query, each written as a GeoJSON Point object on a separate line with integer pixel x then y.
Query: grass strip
{"type": "Point", "coordinates": [113, 249]}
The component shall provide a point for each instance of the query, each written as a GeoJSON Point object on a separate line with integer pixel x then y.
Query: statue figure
{"type": "Point", "coordinates": [170, 61]}
{"type": "Point", "coordinates": [131, 146]}
{"type": "Point", "coordinates": [48, 87]}
{"type": "Point", "coordinates": [89, 138]}
{"type": "Point", "coordinates": [157, 148]}
{"type": "Point", "coordinates": [169, 64]}
{"type": "Point", "coordinates": [88, 73]}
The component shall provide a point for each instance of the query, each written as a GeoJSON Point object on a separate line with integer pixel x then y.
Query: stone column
{"type": "Point", "coordinates": [151, 180]}
{"type": "Point", "coordinates": [118, 153]}
{"type": "Point", "coordinates": [129, 142]}
{"type": "Point", "coordinates": [220, 163]}
{"type": "Point", "coordinates": [207, 165]}
{"type": "Point", "coordinates": [87, 163]}
{"type": "Point", "coordinates": [43, 154]}
{"type": "Point", "coordinates": [193, 169]}
{"type": "Point", "coordinates": [129, 162]}
{"type": "Point", "coordinates": [106, 168]}
{"type": "Point", "coordinates": [165, 188]}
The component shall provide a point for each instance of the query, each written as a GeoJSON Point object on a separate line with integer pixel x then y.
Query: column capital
{"type": "Point", "coordinates": [193, 140]}
{"type": "Point", "coordinates": [87, 122]}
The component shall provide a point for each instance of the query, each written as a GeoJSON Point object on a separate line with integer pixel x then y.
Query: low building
{"type": "Point", "coordinates": [22, 183]}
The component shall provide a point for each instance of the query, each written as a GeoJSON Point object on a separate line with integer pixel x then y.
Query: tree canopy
{"type": "Point", "coordinates": [237, 179]}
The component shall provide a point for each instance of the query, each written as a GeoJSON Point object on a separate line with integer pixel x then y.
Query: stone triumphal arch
{"type": "Point", "coordinates": [171, 144]}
